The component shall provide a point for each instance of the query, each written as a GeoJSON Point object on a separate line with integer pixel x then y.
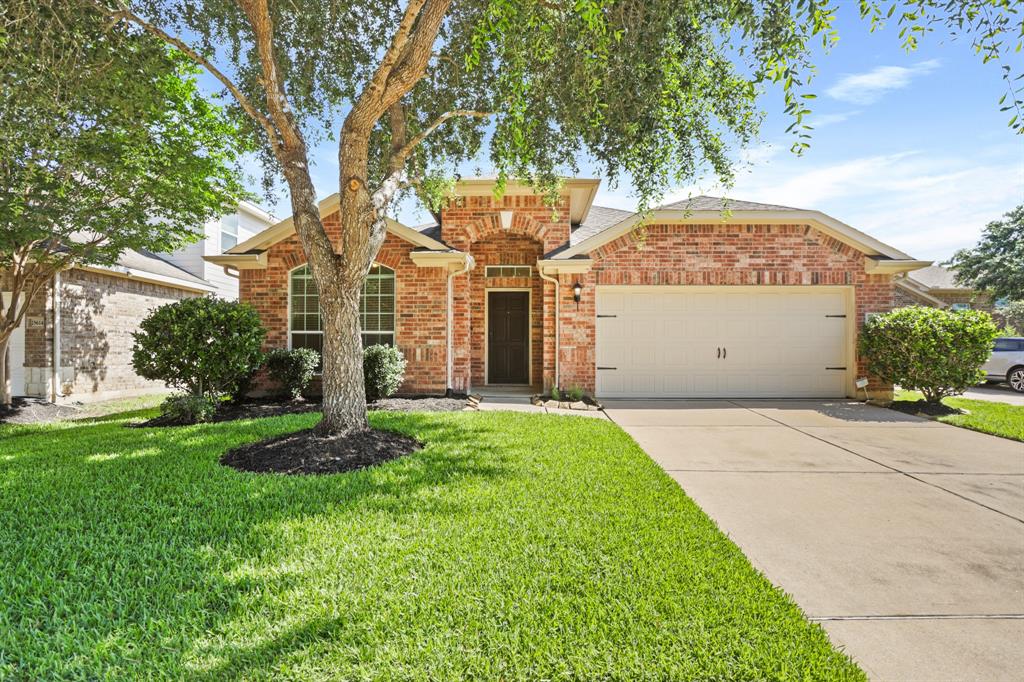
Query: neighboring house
{"type": "Point", "coordinates": [219, 236]}
{"type": "Point", "coordinates": [936, 287]}
{"type": "Point", "coordinates": [759, 301]}
{"type": "Point", "coordinates": [96, 309]}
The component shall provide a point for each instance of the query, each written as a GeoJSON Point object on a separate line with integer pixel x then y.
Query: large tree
{"type": "Point", "coordinates": [654, 89]}
{"type": "Point", "coordinates": [106, 144]}
{"type": "Point", "coordinates": [996, 264]}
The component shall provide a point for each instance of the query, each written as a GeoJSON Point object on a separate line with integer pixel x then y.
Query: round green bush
{"type": "Point", "coordinates": [937, 352]}
{"type": "Point", "coordinates": [384, 370]}
{"type": "Point", "coordinates": [205, 346]}
{"type": "Point", "coordinates": [185, 408]}
{"type": "Point", "coordinates": [292, 369]}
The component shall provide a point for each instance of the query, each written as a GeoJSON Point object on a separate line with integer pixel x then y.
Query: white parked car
{"type": "Point", "coordinates": [1007, 362]}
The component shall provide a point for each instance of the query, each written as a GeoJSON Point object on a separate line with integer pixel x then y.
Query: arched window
{"type": "Point", "coordinates": [376, 309]}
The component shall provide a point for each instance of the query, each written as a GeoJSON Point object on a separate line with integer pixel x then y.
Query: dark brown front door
{"type": "Point", "coordinates": [508, 337]}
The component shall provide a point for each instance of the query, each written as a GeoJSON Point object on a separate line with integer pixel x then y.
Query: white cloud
{"type": "Point", "coordinates": [822, 120]}
{"type": "Point", "coordinates": [868, 87]}
{"type": "Point", "coordinates": [925, 204]}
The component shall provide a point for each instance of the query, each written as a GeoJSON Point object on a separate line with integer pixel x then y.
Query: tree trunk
{"type": "Point", "coordinates": [339, 280]}
{"type": "Point", "coordinates": [344, 392]}
{"type": "Point", "coordinates": [5, 386]}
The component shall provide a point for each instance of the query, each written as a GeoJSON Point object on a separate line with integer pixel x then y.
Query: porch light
{"type": "Point", "coordinates": [506, 219]}
{"type": "Point", "coordinates": [577, 293]}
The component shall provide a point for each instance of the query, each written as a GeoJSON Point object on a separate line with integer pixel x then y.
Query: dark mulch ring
{"type": "Point", "coordinates": [306, 452]}
{"type": "Point", "coordinates": [916, 407]}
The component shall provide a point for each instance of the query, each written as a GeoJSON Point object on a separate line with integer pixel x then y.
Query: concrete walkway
{"type": "Point", "coordinates": [903, 537]}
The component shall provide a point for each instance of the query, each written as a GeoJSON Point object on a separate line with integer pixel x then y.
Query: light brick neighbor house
{"type": "Point", "coordinates": [84, 317]}
{"type": "Point", "coordinates": [700, 298]}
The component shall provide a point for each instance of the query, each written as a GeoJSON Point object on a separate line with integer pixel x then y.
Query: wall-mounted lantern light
{"type": "Point", "coordinates": [577, 293]}
{"type": "Point", "coordinates": [506, 219]}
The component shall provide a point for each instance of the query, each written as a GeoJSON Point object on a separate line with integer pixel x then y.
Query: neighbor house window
{"type": "Point", "coordinates": [376, 309]}
{"type": "Point", "coordinates": [507, 271]}
{"type": "Point", "coordinates": [960, 306]}
{"type": "Point", "coordinates": [228, 232]}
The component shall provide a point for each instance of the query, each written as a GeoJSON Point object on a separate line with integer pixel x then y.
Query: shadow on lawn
{"type": "Point", "coordinates": [145, 527]}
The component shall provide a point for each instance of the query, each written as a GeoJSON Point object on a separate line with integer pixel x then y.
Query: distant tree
{"type": "Point", "coordinates": [996, 264]}
{"type": "Point", "coordinates": [659, 90]}
{"type": "Point", "coordinates": [105, 145]}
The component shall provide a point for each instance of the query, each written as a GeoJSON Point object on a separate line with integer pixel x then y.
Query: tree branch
{"type": "Point", "coordinates": [124, 13]}
{"type": "Point", "coordinates": [258, 14]}
{"type": "Point", "coordinates": [399, 157]}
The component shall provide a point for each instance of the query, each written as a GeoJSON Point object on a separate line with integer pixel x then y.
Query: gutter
{"type": "Point", "coordinates": [449, 361]}
{"type": "Point", "coordinates": [558, 317]}
{"type": "Point", "coordinates": [55, 297]}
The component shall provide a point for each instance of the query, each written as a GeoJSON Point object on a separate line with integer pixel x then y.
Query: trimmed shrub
{"type": "Point", "coordinates": [383, 370]}
{"type": "Point", "coordinates": [575, 394]}
{"type": "Point", "coordinates": [292, 369]}
{"type": "Point", "coordinates": [205, 346]}
{"type": "Point", "coordinates": [185, 408]}
{"type": "Point", "coordinates": [937, 352]}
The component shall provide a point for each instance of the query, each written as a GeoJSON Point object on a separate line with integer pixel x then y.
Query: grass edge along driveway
{"type": "Point", "coordinates": [513, 546]}
{"type": "Point", "coordinates": [987, 416]}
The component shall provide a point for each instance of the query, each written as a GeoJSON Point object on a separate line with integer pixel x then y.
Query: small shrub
{"type": "Point", "coordinates": [185, 408]}
{"type": "Point", "coordinates": [205, 346]}
{"type": "Point", "coordinates": [937, 352]}
{"type": "Point", "coordinates": [292, 369]}
{"type": "Point", "coordinates": [575, 394]}
{"type": "Point", "coordinates": [383, 371]}
{"type": "Point", "coordinates": [241, 390]}
{"type": "Point", "coordinates": [554, 393]}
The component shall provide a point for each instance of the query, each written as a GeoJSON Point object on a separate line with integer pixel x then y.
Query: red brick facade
{"type": "Point", "coordinates": [712, 254]}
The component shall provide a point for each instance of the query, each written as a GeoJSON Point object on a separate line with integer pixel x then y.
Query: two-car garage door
{"type": "Point", "coordinates": [713, 342]}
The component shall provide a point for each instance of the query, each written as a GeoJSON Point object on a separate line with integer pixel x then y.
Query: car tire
{"type": "Point", "coordinates": [1015, 378]}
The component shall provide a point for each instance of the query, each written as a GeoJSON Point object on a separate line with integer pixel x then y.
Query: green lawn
{"type": "Point", "coordinates": [999, 419]}
{"type": "Point", "coordinates": [513, 546]}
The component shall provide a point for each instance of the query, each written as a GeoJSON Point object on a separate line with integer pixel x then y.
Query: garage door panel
{"type": "Point", "coordinates": [666, 343]}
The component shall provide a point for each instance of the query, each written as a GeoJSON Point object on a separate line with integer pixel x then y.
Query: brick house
{"type": "Point", "coordinates": [936, 287]}
{"type": "Point", "coordinates": [94, 310]}
{"type": "Point", "coordinates": [701, 298]}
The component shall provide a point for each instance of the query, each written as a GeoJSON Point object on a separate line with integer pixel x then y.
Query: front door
{"type": "Point", "coordinates": [508, 337]}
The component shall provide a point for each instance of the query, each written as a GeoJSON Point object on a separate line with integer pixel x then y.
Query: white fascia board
{"type": "Point", "coordinates": [576, 266]}
{"type": "Point", "coordinates": [240, 261]}
{"type": "Point", "coordinates": [143, 276]}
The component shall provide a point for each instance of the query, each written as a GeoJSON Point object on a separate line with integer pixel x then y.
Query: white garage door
{"type": "Point", "coordinates": [16, 351]}
{"type": "Point", "coordinates": [715, 342]}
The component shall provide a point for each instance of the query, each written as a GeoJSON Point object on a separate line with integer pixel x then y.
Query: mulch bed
{"type": "Point", "coordinates": [35, 411]}
{"type": "Point", "coordinates": [921, 407]}
{"type": "Point", "coordinates": [306, 452]}
{"type": "Point", "coordinates": [257, 409]}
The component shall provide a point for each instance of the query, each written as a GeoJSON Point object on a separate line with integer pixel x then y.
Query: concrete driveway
{"type": "Point", "coordinates": [903, 537]}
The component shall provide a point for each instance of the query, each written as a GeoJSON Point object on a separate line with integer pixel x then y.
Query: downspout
{"type": "Point", "coordinates": [55, 365]}
{"type": "Point", "coordinates": [449, 362]}
{"type": "Point", "coordinates": [558, 318]}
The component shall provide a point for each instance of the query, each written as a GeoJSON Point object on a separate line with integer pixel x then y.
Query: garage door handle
{"type": "Point", "coordinates": [719, 353]}
{"type": "Point", "coordinates": [725, 353]}
{"type": "Point", "coordinates": [607, 367]}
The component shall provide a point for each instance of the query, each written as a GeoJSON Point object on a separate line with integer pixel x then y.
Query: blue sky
{"type": "Point", "coordinates": [910, 147]}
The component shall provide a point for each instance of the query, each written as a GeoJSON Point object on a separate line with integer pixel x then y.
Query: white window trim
{"type": "Point", "coordinates": [290, 331]}
{"type": "Point", "coordinates": [225, 231]}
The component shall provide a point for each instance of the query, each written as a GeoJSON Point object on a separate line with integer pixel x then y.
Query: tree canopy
{"type": "Point", "coordinates": [996, 264]}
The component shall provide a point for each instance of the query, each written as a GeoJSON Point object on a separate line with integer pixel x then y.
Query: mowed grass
{"type": "Point", "coordinates": [513, 546]}
{"type": "Point", "coordinates": [998, 419]}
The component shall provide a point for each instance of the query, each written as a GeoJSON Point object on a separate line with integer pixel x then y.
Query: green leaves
{"type": "Point", "coordinates": [205, 346]}
{"type": "Point", "coordinates": [106, 144]}
{"type": "Point", "coordinates": [937, 352]}
{"type": "Point", "coordinates": [996, 264]}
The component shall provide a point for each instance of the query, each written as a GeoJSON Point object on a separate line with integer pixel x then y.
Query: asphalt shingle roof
{"type": "Point", "coordinates": [599, 218]}
{"type": "Point", "coordinates": [936, 277]}
{"type": "Point", "coordinates": [144, 261]}
{"type": "Point", "coordinates": [709, 203]}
